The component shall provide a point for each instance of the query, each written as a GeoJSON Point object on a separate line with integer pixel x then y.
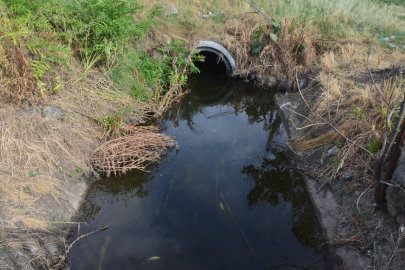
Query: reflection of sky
{"type": "Point", "coordinates": [183, 219]}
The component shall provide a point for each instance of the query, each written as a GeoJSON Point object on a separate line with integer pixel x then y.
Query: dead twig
{"type": "Point", "coordinates": [238, 224]}
{"type": "Point", "coordinates": [372, 79]}
{"type": "Point", "coordinates": [358, 200]}
{"type": "Point", "coordinates": [136, 151]}
{"type": "Point", "coordinates": [64, 258]}
{"type": "Point", "coordinates": [330, 124]}
{"type": "Point", "coordinates": [258, 10]}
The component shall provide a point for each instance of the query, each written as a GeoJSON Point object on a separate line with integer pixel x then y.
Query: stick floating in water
{"type": "Point", "coordinates": [154, 258]}
{"type": "Point", "coordinates": [251, 249]}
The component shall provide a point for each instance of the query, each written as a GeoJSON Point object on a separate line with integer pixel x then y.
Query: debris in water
{"type": "Point", "coordinates": [154, 258]}
{"type": "Point", "coordinates": [221, 205]}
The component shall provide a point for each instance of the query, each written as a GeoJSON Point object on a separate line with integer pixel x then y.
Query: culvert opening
{"type": "Point", "coordinates": [213, 64]}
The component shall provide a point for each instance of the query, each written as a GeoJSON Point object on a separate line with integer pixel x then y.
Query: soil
{"type": "Point", "coordinates": [28, 249]}
{"type": "Point", "coordinates": [359, 234]}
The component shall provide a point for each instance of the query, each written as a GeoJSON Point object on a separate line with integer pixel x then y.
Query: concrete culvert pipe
{"type": "Point", "coordinates": [214, 48]}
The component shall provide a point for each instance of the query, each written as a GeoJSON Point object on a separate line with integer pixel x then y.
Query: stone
{"type": "Point", "coordinates": [271, 82]}
{"type": "Point", "coordinates": [19, 223]}
{"type": "Point", "coordinates": [52, 248]}
{"type": "Point", "coordinates": [332, 151]}
{"type": "Point", "coordinates": [173, 11]}
{"type": "Point", "coordinates": [283, 87]}
{"type": "Point", "coordinates": [259, 78]}
{"type": "Point", "coordinates": [51, 111]}
{"type": "Point", "coordinates": [166, 39]}
{"type": "Point", "coordinates": [346, 177]}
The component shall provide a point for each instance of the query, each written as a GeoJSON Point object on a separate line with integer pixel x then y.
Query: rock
{"type": "Point", "coordinates": [19, 223]}
{"type": "Point", "coordinates": [346, 177]}
{"type": "Point", "coordinates": [252, 77]}
{"type": "Point", "coordinates": [166, 39]}
{"type": "Point", "coordinates": [259, 78]}
{"type": "Point", "coordinates": [283, 87]}
{"type": "Point", "coordinates": [52, 248]}
{"type": "Point", "coordinates": [51, 111]}
{"type": "Point", "coordinates": [271, 82]}
{"type": "Point", "coordinates": [332, 151]}
{"type": "Point", "coordinates": [173, 11]}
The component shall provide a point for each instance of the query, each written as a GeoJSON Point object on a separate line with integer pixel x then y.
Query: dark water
{"type": "Point", "coordinates": [226, 198]}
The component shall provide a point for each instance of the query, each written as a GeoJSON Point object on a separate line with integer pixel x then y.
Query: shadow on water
{"type": "Point", "coordinates": [226, 198]}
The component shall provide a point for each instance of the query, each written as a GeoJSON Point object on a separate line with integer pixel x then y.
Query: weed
{"type": "Point", "coordinates": [2, 251]}
{"type": "Point", "coordinates": [59, 167]}
{"type": "Point", "coordinates": [358, 113]}
{"type": "Point", "coordinates": [71, 174]}
{"type": "Point", "coordinates": [31, 174]}
{"type": "Point", "coordinates": [28, 189]}
{"type": "Point", "coordinates": [79, 170]}
{"type": "Point", "coordinates": [114, 124]}
{"type": "Point", "coordinates": [374, 146]}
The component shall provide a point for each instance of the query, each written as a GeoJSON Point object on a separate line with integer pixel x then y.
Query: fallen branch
{"type": "Point", "coordinates": [136, 151]}
{"type": "Point", "coordinates": [64, 258]}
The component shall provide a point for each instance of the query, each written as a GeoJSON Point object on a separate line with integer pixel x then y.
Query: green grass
{"type": "Point", "coordinates": [391, 2]}
{"type": "Point", "coordinates": [102, 33]}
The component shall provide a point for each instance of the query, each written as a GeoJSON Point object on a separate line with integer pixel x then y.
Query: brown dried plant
{"type": "Point", "coordinates": [136, 151]}
{"type": "Point", "coordinates": [17, 83]}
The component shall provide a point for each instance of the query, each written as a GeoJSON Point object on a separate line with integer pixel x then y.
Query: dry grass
{"type": "Point", "coordinates": [345, 89]}
{"type": "Point", "coordinates": [17, 83]}
{"type": "Point", "coordinates": [50, 148]}
{"type": "Point", "coordinates": [38, 154]}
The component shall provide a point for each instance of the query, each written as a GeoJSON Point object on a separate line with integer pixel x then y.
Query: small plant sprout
{"type": "Point", "coordinates": [31, 174]}
{"type": "Point", "coordinates": [28, 189]}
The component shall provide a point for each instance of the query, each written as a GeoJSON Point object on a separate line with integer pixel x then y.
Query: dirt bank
{"type": "Point", "coordinates": [360, 236]}
{"type": "Point", "coordinates": [45, 167]}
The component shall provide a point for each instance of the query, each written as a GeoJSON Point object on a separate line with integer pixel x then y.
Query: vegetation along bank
{"type": "Point", "coordinates": [79, 79]}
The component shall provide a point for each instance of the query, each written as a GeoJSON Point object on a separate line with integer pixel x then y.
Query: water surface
{"type": "Point", "coordinates": [226, 198]}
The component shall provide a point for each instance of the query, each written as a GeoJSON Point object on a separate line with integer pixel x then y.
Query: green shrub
{"type": "Point", "coordinates": [100, 26]}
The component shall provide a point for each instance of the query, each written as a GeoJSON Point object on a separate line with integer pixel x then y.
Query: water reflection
{"type": "Point", "coordinates": [227, 198]}
{"type": "Point", "coordinates": [110, 190]}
